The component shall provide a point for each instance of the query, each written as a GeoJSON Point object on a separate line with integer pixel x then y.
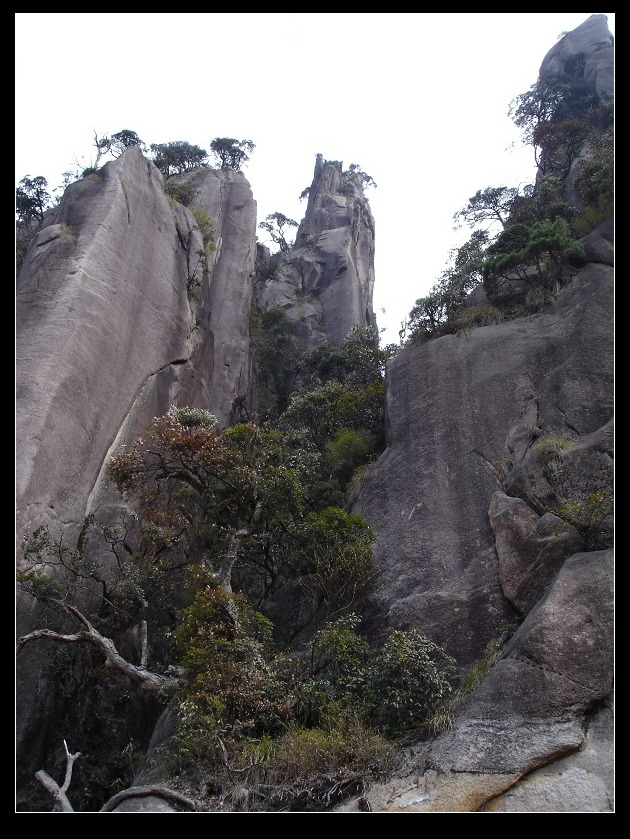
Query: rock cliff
{"type": "Point", "coordinates": [129, 303]}
{"type": "Point", "coordinates": [325, 283]}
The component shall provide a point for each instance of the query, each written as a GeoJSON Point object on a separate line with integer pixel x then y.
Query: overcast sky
{"type": "Point", "coordinates": [418, 100]}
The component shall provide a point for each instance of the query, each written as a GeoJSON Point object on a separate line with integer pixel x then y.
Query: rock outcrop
{"type": "Point", "coordinates": [325, 283]}
{"type": "Point", "coordinates": [592, 40]}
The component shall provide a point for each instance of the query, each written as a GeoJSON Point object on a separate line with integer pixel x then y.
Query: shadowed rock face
{"type": "Point", "coordinates": [325, 283]}
{"type": "Point", "coordinates": [464, 413]}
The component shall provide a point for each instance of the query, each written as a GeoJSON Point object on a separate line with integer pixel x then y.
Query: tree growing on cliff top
{"type": "Point", "coordinates": [178, 157]}
{"type": "Point", "coordinates": [231, 153]}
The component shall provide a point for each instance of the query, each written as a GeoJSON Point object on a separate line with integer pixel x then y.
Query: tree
{"type": "Point", "coordinates": [491, 205]}
{"type": "Point", "coordinates": [408, 682]}
{"type": "Point", "coordinates": [431, 314]}
{"type": "Point", "coordinates": [396, 688]}
{"type": "Point", "coordinates": [275, 225]}
{"type": "Point", "coordinates": [231, 153]}
{"type": "Point", "coordinates": [365, 179]}
{"type": "Point", "coordinates": [203, 491]}
{"type": "Point", "coordinates": [274, 337]}
{"type": "Point", "coordinates": [31, 199]}
{"type": "Point", "coordinates": [546, 202]}
{"type": "Point", "coordinates": [426, 316]}
{"type": "Point", "coordinates": [334, 558]}
{"type": "Point", "coordinates": [124, 140]}
{"type": "Point", "coordinates": [177, 157]}
{"type": "Point", "coordinates": [562, 100]}
{"type": "Point", "coordinates": [542, 254]}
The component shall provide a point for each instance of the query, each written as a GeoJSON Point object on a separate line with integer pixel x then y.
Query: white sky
{"type": "Point", "coordinates": [418, 100]}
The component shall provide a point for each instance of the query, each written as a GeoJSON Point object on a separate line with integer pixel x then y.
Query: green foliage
{"type": "Point", "coordinates": [358, 361]}
{"type": "Point", "coordinates": [51, 566]}
{"type": "Point", "coordinates": [347, 450]}
{"type": "Point", "coordinates": [592, 517]}
{"type": "Point", "coordinates": [124, 140]}
{"type": "Point", "coordinates": [478, 670]}
{"type": "Point", "coordinates": [489, 206]}
{"type": "Point", "coordinates": [478, 316]}
{"type": "Point", "coordinates": [209, 495]}
{"type": "Point", "coordinates": [230, 688]}
{"type": "Point", "coordinates": [278, 353]}
{"type": "Point", "coordinates": [177, 157]}
{"type": "Point", "coordinates": [432, 315]}
{"type": "Point", "coordinates": [311, 769]}
{"type": "Point", "coordinates": [355, 172]}
{"type": "Point", "coordinates": [410, 680]}
{"type": "Point", "coordinates": [206, 227]}
{"type": "Point", "coordinates": [184, 193]}
{"type": "Point", "coordinates": [31, 199]}
{"type": "Point", "coordinates": [333, 557]}
{"type": "Point", "coordinates": [551, 99]}
{"type": "Point", "coordinates": [549, 450]}
{"type": "Point", "coordinates": [231, 153]}
{"type": "Point", "coordinates": [317, 410]}
{"type": "Point", "coordinates": [595, 182]}
{"type": "Point", "coordinates": [541, 254]}
{"type": "Point", "coordinates": [404, 685]}
{"type": "Point", "coordinates": [276, 224]}
{"type": "Point", "coordinates": [194, 417]}
{"type": "Point", "coordinates": [302, 770]}
{"type": "Point", "coordinates": [546, 203]}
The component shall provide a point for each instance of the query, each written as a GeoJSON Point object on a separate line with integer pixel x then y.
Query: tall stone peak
{"type": "Point", "coordinates": [325, 282]}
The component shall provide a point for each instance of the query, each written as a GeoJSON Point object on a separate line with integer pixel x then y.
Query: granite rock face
{"type": "Point", "coordinates": [536, 735]}
{"type": "Point", "coordinates": [219, 373]}
{"type": "Point", "coordinates": [101, 318]}
{"type": "Point", "coordinates": [463, 416]}
{"type": "Point", "coordinates": [325, 283]}
{"type": "Point", "coordinates": [587, 51]}
{"type": "Point", "coordinates": [594, 41]}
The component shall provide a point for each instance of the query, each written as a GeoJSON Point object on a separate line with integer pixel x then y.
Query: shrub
{"type": "Point", "coordinates": [183, 193]}
{"type": "Point", "coordinates": [349, 449]}
{"type": "Point", "coordinates": [408, 683]}
{"type": "Point", "coordinates": [334, 558]}
{"type": "Point", "coordinates": [194, 417]}
{"type": "Point", "coordinates": [223, 644]}
{"type": "Point", "coordinates": [206, 227]}
{"type": "Point", "coordinates": [591, 517]}
{"type": "Point", "coordinates": [549, 450]}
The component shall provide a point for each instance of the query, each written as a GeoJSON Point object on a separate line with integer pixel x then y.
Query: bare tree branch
{"type": "Point", "coordinates": [140, 675]}
{"type": "Point", "coordinates": [61, 803]}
